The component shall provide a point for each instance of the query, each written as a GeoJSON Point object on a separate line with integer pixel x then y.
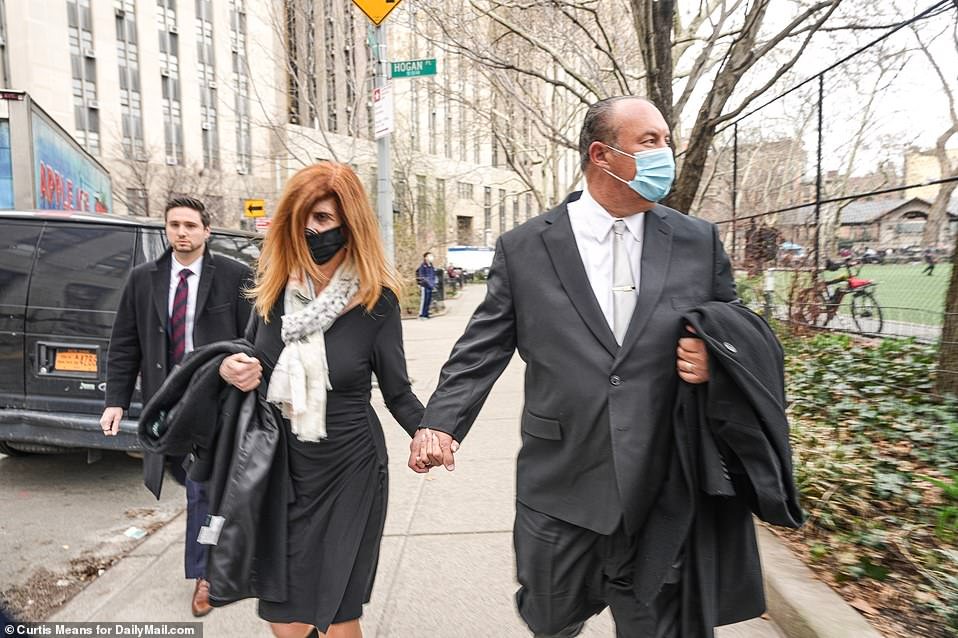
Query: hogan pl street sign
{"type": "Point", "coordinates": [376, 10]}
{"type": "Point", "coordinates": [412, 68]}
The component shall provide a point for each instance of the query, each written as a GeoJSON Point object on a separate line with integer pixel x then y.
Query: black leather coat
{"type": "Point", "coordinates": [238, 447]}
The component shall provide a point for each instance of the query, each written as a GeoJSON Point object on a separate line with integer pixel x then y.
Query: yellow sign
{"type": "Point", "coordinates": [254, 208]}
{"type": "Point", "coordinates": [376, 10]}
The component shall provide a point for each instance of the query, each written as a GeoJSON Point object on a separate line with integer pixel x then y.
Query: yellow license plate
{"type": "Point", "coordinates": [75, 361]}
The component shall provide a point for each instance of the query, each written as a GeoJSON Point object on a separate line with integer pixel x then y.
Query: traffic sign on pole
{"type": "Point", "coordinates": [413, 68]}
{"type": "Point", "coordinates": [254, 208]}
{"type": "Point", "coordinates": [376, 10]}
{"type": "Point", "coordinates": [383, 123]}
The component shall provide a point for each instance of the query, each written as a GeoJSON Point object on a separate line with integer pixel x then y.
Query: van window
{"type": "Point", "coordinates": [82, 267]}
{"type": "Point", "coordinates": [238, 247]}
{"type": "Point", "coordinates": [152, 245]}
{"type": "Point", "coordinates": [17, 245]}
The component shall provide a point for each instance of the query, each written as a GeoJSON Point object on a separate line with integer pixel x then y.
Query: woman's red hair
{"type": "Point", "coordinates": [285, 252]}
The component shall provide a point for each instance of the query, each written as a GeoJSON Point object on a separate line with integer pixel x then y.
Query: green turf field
{"type": "Point", "coordinates": [902, 291]}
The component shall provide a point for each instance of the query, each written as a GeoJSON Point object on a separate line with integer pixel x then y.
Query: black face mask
{"type": "Point", "coordinates": [324, 246]}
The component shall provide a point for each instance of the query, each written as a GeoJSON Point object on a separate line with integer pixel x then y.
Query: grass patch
{"type": "Point", "coordinates": [904, 293]}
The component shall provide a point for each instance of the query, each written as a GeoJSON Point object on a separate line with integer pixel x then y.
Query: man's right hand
{"type": "Point", "coordinates": [431, 448]}
{"type": "Point", "coordinates": [241, 370]}
{"type": "Point", "coordinates": [110, 421]}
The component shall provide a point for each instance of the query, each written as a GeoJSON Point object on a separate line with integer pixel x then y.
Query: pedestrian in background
{"type": "Point", "coordinates": [929, 262]}
{"type": "Point", "coordinates": [426, 279]}
{"type": "Point", "coordinates": [328, 317]}
{"type": "Point", "coordinates": [187, 298]}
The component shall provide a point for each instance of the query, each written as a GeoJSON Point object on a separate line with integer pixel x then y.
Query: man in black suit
{"type": "Point", "coordinates": [187, 298]}
{"type": "Point", "coordinates": [591, 294]}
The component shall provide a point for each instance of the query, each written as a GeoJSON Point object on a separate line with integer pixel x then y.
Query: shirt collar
{"type": "Point", "coordinates": [600, 222]}
{"type": "Point", "coordinates": [195, 267]}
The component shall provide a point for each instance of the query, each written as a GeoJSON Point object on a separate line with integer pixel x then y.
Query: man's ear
{"type": "Point", "coordinates": [598, 154]}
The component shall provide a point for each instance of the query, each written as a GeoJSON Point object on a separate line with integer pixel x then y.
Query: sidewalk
{"type": "Point", "coordinates": [446, 568]}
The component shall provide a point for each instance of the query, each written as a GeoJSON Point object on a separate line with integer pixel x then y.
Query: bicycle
{"type": "Point", "coordinates": [819, 303]}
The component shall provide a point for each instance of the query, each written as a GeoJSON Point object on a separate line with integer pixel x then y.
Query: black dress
{"type": "Point", "coordinates": [339, 485]}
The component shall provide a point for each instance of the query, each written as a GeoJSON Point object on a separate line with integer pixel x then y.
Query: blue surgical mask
{"type": "Point", "coordinates": [654, 172]}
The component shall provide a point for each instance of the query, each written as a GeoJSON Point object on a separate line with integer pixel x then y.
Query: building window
{"type": "Point", "coordinates": [421, 194]}
{"type": "Point", "coordinates": [137, 202]}
{"type": "Point", "coordinates": [244, 150]}
{"type": "Point", "coordinates": [441, 196]}
{"type": "Point", "coordinates": [349, 56]}
{"type": "Point", "coordinates": [465, 190]}
{"type": "Point", "coordinates": [487, 209]}
{"type": "Point", "coordinates": [86, 116]}
{"type": "Point", "coordinates": [332, 111]}
{"type": "Point", "coordinates": [502, 211]}
{"type": "Point", "coordinates": [515, 211]}
{"type": "Point", "coordinates": [528, 206]}
{"type": "Point", "coordinates": [206, 74]}
{"type": "Point", "coordinates": [292, 60]}
{"type": "Point", "coordinates": [170, 80]}
{"type": "Point", "coordinates": [128, 64]}
{"type": "Point", "coordinates": [433, 118]}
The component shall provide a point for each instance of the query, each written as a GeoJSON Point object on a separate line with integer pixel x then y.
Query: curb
{"type": "Point", "coordinates": [98, 595]}
{"type": "Point", "coordinates": [800, 604]}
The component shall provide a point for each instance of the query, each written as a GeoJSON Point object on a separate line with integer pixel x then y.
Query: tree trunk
{"type": "Point", "coordinates": [947, 381]}
{"type": "Point", "coordinates": [653, 26]}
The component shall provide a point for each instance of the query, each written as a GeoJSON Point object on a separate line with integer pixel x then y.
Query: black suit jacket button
{"type": "Point", "coordinates": [615, 380]}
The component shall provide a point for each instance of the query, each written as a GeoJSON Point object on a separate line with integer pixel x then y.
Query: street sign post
{"type": "Point", "coordinates": [254, 208]}
{"type": "Point", "coordinates": [413, 68]}
{"type": "Point", "coordinates": [376, 10]}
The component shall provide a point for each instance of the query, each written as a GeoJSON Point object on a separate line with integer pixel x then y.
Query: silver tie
{"type": "Point", "coordinates": [623, 283]}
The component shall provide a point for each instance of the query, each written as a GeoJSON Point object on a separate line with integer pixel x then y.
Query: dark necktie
{"type": "Point", "coordinates": [178, 318]}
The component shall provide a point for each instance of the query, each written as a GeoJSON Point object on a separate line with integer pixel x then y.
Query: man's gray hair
{"type": "Point", "coordinates": [597, 126]}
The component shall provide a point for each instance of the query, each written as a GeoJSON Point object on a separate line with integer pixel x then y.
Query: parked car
{"type": "Point", "coordinates": [61, 277]}
{"type": "Point", "coordinates": [872, 256]}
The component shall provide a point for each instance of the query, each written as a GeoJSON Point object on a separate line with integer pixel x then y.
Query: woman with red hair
{"type": "Point", "coordinates": [327, 319]}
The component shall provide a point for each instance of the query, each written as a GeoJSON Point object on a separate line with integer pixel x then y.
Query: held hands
{"type": "Point", "coordinates": [692, 361]}
{"type": "Point", "coordinates": [242, 371]}
{"type": "Point", "coordinates": [430, 448]}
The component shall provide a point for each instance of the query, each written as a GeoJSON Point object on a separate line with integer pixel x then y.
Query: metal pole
{"type": "Point", "coordinates": [384, 194]}
{"type": "Point", "coordinates": [818, 173]}
{"type": "Point", "coordinates": [734, 190]}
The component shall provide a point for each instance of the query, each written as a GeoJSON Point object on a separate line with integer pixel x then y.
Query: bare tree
{"type": "Point", "coordinates": [947, 381]}
{"type": "Point", "coordinates": [669, 53]}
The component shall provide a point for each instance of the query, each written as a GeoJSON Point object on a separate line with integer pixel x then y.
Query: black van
{"type": "Point", "coordinates": [61, 276]}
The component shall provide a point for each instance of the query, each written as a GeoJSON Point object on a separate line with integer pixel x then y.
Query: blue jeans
{"type": "Point", "coordinates": [426, 300]}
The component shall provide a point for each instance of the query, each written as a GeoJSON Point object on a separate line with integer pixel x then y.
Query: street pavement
{"type": "Point", "coordinates": [446, 569]}
{"type": "Point", "coordinates": [61, 518]}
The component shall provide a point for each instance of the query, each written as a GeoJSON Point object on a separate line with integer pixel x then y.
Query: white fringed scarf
{"type": "Point", "coordinates": [300, 379]}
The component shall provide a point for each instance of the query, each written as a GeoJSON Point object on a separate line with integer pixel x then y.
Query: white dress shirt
{"type": "Point", "coordinates": [192, 285]}
{"type": "Point", "coordinates": [592, 228]}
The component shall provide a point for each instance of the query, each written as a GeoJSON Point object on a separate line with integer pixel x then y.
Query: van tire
{"type": "Point", "coordinates": [9, 451]}
{"type": "Point", "coordinates": [27, 449]}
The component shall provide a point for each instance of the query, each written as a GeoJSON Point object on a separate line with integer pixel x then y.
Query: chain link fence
{"type": "Point", "coordinates": [831, 199]}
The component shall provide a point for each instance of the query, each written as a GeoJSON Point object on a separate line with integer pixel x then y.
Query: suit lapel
{"type": "Point", "coordinates": [206, 282]}
{"type": "Point", "coordinates": [564, 253]}
{"type": "Point", "coordinates": [161, 289]}
{"type": "Point", "coordinates": [656, 250]}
